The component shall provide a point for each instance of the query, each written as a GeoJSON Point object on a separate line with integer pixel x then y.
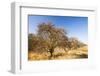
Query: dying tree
{"type": "Point", "coordinates": [36, 44]}
{"type": "Point", "coordinates": [73, 43]}
{"type": "Point", "coordinates": [52, 36]}
{"type": "Point", "coordinates": [31, 39]}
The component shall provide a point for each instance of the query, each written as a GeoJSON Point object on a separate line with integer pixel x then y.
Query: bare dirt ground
{"type": "Point", "coordinates": [60, 54]}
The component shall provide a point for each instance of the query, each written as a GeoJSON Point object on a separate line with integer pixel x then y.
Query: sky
{"type": "Point", "coordinates": [75, 26]}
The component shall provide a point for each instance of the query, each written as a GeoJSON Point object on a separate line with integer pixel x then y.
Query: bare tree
{"type": "Point", "coordinates": [36, 44]}
{"type": "Point", "coordinates": [49, 37]}
{"type": "Point", "coordinates": [53, 36]}
{"type": "Point", "coordinates": [73, 43]}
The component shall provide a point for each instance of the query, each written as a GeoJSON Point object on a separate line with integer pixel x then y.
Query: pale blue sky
{"type": "Point", "coordinates": [75, 26]}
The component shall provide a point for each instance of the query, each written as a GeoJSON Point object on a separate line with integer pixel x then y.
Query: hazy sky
{"type": "Point", "coordinates": [75, 26]}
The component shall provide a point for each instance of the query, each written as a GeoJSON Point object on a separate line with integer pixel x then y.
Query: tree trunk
{"type": "Point", "coordinates": [51, 53]}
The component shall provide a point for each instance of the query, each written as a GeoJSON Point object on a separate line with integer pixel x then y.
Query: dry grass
{"type": "Point", "coordinates": [37, 56]}
{"type": "Point", "coordinates": [60, 54]}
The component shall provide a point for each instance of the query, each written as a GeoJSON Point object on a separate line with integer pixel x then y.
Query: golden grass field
{"type": "Point", "coordinates": [60, 54]}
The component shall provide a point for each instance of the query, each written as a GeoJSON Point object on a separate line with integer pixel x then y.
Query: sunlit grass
{"type": "Point", "coordinates": [60, 54]}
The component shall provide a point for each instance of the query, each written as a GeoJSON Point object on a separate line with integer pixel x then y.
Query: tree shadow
{"type": "Point", "coordinates": [82, 56]}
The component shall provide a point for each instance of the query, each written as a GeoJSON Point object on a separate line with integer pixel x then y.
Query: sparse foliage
{"type": "Point", "coordinates": [49, 37]}
{"type": "Point", "coordinates": [53, 36]}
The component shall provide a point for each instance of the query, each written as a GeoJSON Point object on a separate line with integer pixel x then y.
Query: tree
{"type": "Point", "coordinates": [52, 36]}
{"type": "Point", "coordinates": [73, 43]}
{"type": "Point", "coordinates": [36, 44]}
{"type": "Point", "coordinates": [31, 41]}
{"type": "Point", "coordinates": [49, 37]}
